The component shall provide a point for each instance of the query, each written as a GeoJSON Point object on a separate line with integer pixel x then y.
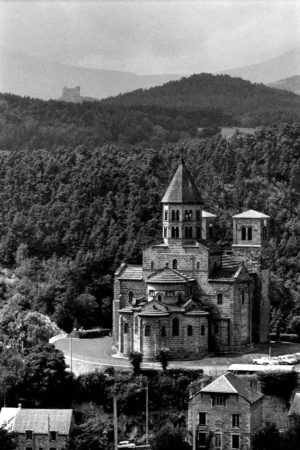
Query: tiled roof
{"type": "Point", "coordinates": [223, 275]}
{"type": "Point", "coordinates": [182, 188]}
{"type": "Point", "coordinates": [207, 214]}
{"type": "Point", "coordinates": [209, 245]}
{"type": "Point", "coordinates": [167, 275]}
{"type": "Point", "coordinates": [229, 262]}
{"type": "Point", "coordinates": [251, 214]}
{"type": "Point", "coordinates": [130, 272]}
{"type": "Point", "coordinates": [232, 384]}
{"type": "Point", "coordinates": [295, 406]}
{"type": "Point", "coordinates": [41, 421]}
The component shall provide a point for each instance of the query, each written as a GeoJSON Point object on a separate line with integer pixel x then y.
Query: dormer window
{"type": "Point", "coordinates": [28, 434]}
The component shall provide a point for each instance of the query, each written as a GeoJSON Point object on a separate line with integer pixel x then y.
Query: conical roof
{"type": "Point", "coordinates": [182, 188]}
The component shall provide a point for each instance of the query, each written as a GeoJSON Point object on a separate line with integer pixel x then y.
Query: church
{"type": "Point", "coordinates": [189, 295]}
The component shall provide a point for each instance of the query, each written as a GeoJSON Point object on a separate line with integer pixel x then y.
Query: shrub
{"type": "Point", "coordinates": [136, 359]}
{"type": "Point", "coordinates": [277, 383]}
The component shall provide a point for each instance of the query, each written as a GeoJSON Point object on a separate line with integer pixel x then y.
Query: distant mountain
{"type": "Point", "coordinates": [249, 103]}
{"type": "Point", "coordinates": [291, 84]}
{"type": "Point", "coordinates": [283, 66]}
{"type": "Point", "coordinates": [25, 75]}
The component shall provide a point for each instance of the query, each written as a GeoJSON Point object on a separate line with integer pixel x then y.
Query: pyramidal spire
{"type": "Point", "coordinates": [182, 188]}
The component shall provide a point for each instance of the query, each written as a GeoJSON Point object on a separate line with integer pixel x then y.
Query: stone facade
{"type": "Point", "coordinates": [189, 295]}
{"type": "Point", "coordinates": [225, 414]}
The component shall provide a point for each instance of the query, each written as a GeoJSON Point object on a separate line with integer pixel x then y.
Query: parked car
{"type": "Point", "coordinates": [264, 360]}
{"type": "Point", "coordinates": [288, 359]}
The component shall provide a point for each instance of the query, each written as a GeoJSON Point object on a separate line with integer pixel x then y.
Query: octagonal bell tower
{"type": "Point", "coordinates": [182, 216]}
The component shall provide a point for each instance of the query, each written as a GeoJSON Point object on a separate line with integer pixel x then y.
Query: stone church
{"type": "Point", "coordinates": [189, 295]}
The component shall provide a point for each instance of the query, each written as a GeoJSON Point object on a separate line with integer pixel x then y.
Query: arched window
{"type": "Point", "coordinates": [202, 330]}
{"type": "Point", "coordinates": [166, 215]}
{"type": "Point", "coordinates": [186, 215]}
{"type": "Point", "coordinates": [210, 231]}
{"type": "Point", "coordinates": [130, 296]}
{"type": "Point", "coordinates": [177, 232]}
{"type": "Point", "coordinates": [136, 325]}
{"type": "Point", "coordinates": [125, 328]}
{"type": "Point", "coordinates": [220, 298]}
{"type": "Point", "coordinates": [264, 233]}
{"type": "Point", "coordinates": [177, 215]}
{"type": "Point", "coordinates": [173, 215]}
{"type": "Point", "coordinates": [198, 265]}
{"type": "Point", "coordinates": [163, 331]}
{"type": "Point", "coordinates": [152, 265]}
{"type": "Point", "coordinates": [190, 330]}
{"type": "Point", "coordinates": [249, 234]}
{"type": "Point", "coordinates": [175, 327]}
{"type": "Point", "coordinates": [147, 330]}
{"type": "Point", "coordinates": [159, 297]}
{"type": "Point", "coordinates": [190, 214]}
{"type": "Point", "coordinates": [186, 232]}
{"type": "Point", "coordinates": [173, 232]}
{"type": "Point", "coordinates": [190, 232]}
{"type": "Point", "coordinates": [243, 232]}
{"type": "Point", "coordinates": [174, 264]}
{"type": "Point", "coordinates": [165, 232]}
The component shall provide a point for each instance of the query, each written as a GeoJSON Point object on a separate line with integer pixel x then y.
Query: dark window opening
{"type": "Point", "coordinates": [210, 231]}
{"type": "Point", "coordinates": [179, 297]}
{"type": "Point", "coordinates": [152, 265]}
{"type": "Point", "coordinates": [235, 420]}
{"type": "Point", "coordinates": [125, 328]}
{"type": "Point", "coordinates": [235, 441]}
{"type": "Point", "coordinates": [159, 298]}
{"type": "Point", "coordinates": [28, 434]}
{"type": "Point", "coordinates": [177, 216]}
{"type": "Point", "coordinates": [163, 331]}
{"type": "Point", "coordinates": [130, 296]}
{"type": "Point", "coordinates": [177, 232]}
{"type": "Point", "coordinates": [202, 330]}
{"type": "Point", "coordinates": [243, 297]}
{"type": "Point", "coordinates": [190, 330]}
{"type": "Point", "coordinates": [249, 234]}
{"type": "Point", "coordinates": [190, 214]}
{"type": "Point", "coordinates": [186, 215]}
{"type": "Point", "coordinates": [198, 266]}
{"type": "Point", "coordinates": [173, 216]}
{"type": "Point", "coordinates": [186, 232]}
{"type": "Point", "coordinates": [220, 299]}
{"type": "Point", "coordinates": [243, 232]}
{"type": "Point", "coordinates": [175, 327]}
{"type": "Point", "coordinates": [198, 215]}
{"type": "Point", "coordinates": [136, 325]}
{"type": "Point", "coordinates": [202, 418]}
{"type": "Point", "coordinates": [264, 233]}
{"type": "Point", "coordinates": [190, 232]}
{"type": "Point", "coordinates": [173, 232]}
{"type": "Point", "coordinates": [147, 330]}
{"type": "Point", "coordinates": [218, 444]}
{"type": "Point", "coordinates": [165, 232]}
{"type": "Point", "coordinates": [198, 232]}
{"type": "Point", "coordinates": [52, 435]}
{"type": "Point", "coordinates": [219, 400]}
{"type": "Point", "coordinates": [174, 264]}
{"type": "Point", "coordinates": [166, 215]}
{"type": "Point", "coordinates": [201, 440]}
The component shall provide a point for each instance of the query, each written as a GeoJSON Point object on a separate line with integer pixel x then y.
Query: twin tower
{"type": "Point", "coordinates": [190, 295]}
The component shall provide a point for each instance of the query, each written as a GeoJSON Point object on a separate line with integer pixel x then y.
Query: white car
{"type": "Point", "coordinates": [287, 359]}
{"type": "Point", "coordinates": [126, 444]}
{"type": "Point", "coordinates": [264, 360]}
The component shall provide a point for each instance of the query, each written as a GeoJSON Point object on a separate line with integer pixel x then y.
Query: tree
{"type": "Point", "coordinates": [164, 356]}
{"type": "Point", "coordinates": [295, 326]}
{"type": "Point", "coordinates": [136, 359]}
{"type": "Point", "coordinates": [268, 438]}
{"type": "Point", "coordinates": [8, 441]}
{"type": "Point", "coordinates": [169, 438]}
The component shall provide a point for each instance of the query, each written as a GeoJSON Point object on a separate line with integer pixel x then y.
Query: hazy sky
{"type": "Point", "coordinates": [151, 36]}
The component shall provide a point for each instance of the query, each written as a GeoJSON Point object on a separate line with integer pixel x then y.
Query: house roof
{"type": "Point", "coordinates": [207, 214]}
{"type": "Point", "coordinates": [40, 421]}
{"type": "Point", "coordinates": [229, 262]}
{"type": "Point", "coordinates": [209, 245]}
{"type": "Point", "coordinates": [223, 275]}
{"type": "Point", "coordinates": [251, 214]}
{"type": "Point", "coordinates": [130, 272]}
{"type": "Point", "coordinates": [295, 405]}
{"type": "Point", "coordinates": [232, 384]}
{"type": "Point", "coordinates": [182, 188]}
{"type": "Point", "coordinates": [168, 275]}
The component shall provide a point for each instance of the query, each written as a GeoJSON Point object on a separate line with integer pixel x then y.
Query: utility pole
{"type": "Point", "coordinates": [115, 422]}
{"type": "Point", "coordinates": [194, 421]}
{"type": "Point", "coordinates": [71, 352]}
{"type": "Point", "coordinates": [147, 414]}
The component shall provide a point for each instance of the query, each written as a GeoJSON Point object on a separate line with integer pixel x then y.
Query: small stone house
{"type": "Point", "coordinates": [225, 414]}
{"type": "Point", "coordinates": [38, 429]}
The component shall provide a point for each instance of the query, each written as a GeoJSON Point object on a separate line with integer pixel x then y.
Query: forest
{"type": "Point", "coordinates": [249, 104]}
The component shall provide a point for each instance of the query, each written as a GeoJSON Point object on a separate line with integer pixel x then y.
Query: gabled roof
{"type": "Point", "coordinates": [211, 246]}
{"type": "Point", "coordinates": [232, 384]}
{"type": "Point", "coordinates": [129, 272]}
{"type": "Point", "coordinates": [251, 214]}
{"type": "Point", "coordinates": [223, 275]}
{"type": "Point", "coordinates": [295, 405]}
{"type": "Point", "coordinates": [154, 308]}
{"type": "Point", "coordinates": [40, 421]}
{"type": "Point", "coordinates": [182, 188]}
{"type": "Point", "coordinates": [229, 262]}
{"type": "Point", "coordinates": [167, 275]}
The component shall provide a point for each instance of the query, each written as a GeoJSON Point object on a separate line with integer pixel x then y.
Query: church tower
{"type": "Point", "coordinates": [251, 234]}
{"type": "Point", "coordinates": [182, 216]}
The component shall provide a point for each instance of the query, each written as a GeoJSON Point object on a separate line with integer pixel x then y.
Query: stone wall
{"type": "Point", "coordinates": [41, 441]}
